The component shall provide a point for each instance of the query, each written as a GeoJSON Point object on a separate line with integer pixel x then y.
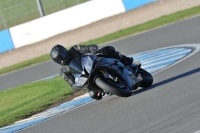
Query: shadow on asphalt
{"type": "Point", "coordinates": [168, 81]}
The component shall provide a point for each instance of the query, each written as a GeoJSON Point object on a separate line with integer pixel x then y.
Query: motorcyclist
{"type": "Point", "coordinates": [62, 56]}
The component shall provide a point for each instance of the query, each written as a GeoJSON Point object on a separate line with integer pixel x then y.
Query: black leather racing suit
{"type": "Point", "coordinates": [76, 50]}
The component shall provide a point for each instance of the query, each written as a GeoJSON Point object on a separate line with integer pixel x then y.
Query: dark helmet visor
{"type": "Point", "coordinates": [59, 54]}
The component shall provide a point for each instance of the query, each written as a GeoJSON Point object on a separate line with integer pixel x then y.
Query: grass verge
{"type": "Point", "coordinates": [28, 99]}
{"type": "Point", "coordinates": [135, 29]}
{"type": "Point", "coordinates": [16, 12]}
{"type": "Point", "coordinates": [25, 100]}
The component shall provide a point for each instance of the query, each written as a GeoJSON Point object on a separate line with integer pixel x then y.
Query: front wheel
{"type": "Point", "coordinates": [115, 88]}
{"type": "Point", "coordinates": [147, 78]}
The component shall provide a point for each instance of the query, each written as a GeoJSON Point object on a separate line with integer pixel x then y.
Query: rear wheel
{"type": "Point", "coordinates": [115, 88]}
{"type": "Point", "coordinates": [147, 78]}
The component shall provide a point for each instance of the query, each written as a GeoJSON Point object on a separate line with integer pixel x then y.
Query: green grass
{"type": "Point", "coordinates": [129, 31]}
{"type": "Point", "coordinates": [28, 99]}
{"type": "Point", "coordinates": [15, 12]}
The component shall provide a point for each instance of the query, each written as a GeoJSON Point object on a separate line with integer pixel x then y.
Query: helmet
{"type": "Point", "coordinates": [59, 54]}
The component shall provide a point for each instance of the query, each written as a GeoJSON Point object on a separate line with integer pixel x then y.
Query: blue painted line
{"type": "Point", "coordinates": [131, 4]}
{"type": "Point", "coordinates": [177, 56]}
{"type": "Point", "coordinates": [166, 55]}
{"type": "Point", "coordinates": [165, 64]}
{"type": "Point", "coordinates": [17, 127]}
{"type": "Point", "coordinates": [6, 42]}
{"type": "Point", "coordinates": [151, 55]}
{"type": "Point", "coordinates": [160, 65]}
{"type": "Point", "coordinates": [46, 115]}
{"type": "Point", "coordinates": [47, 78]}
{"type": "Point", "coordinates": [161, 51]}
{"type": "Point", "coordinates": [154, 61]}
{"type": "Point", "coordinates": [157, 53]}
{"type": "Point", "coordinates": [161, 61]}
{"type": "Point", "coordinates": [169, 55]}
{"type": "Point", "coordinates": [73, 103]}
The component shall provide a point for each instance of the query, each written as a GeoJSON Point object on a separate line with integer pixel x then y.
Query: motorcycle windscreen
{"type": "Point", "coordinates": [87, 62]}
{"type": "Point", "coordinates": [75, 65]}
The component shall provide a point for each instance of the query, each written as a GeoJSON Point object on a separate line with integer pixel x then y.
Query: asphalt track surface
{"type": "Point", "coordinates": [171, 105]}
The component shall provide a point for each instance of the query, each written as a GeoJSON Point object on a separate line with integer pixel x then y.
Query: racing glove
{"type": "Point", "coordinates": [76, 88]}
{"type": "Point", "coordinates": [69, 78]}
{"type": "Point", "coordinates": [93, 49]}
{"type": "Point", "coordinates": [71, 83]}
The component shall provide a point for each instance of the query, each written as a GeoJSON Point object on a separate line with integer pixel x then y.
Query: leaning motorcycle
{"type": "Point", "coordinates": [108, 76]}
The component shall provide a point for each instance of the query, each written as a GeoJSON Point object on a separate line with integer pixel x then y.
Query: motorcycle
{"type": "Point", "coordinates": [108, 76]}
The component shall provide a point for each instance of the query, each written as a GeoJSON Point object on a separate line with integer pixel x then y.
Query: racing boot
{"type": "Point", "coordinates": [95, 95]}
{"type": "Point", "coordinates": [126, 60]}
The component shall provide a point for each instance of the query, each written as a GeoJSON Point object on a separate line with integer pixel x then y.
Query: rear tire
{"type": "Point", "coordinates": [102, 83]}
{"type": "Point", "coordinates": [147, 78]}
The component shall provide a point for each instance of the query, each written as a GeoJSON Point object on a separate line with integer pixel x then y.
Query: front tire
{"type": "Point", "coordinates": [113, 88]}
